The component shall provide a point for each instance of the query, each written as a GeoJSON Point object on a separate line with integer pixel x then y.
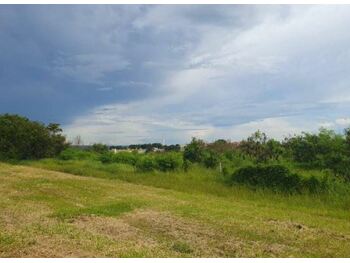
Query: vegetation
{"type": "Point", "coordinates": [21, 138]}
{"type": "Point", "coordinates": [278, 178]}
{"type": "Point", "coordinates": [303, 180]}
{"type": "Point", "coordinates": [51, 214]}
{"type": "Point", "coordinates": [149, 147]}
{"type": "Point", "coordinates": [100, 148]}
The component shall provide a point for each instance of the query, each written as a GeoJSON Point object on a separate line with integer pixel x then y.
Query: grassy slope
{"type": "Point", "coordinates": [52, 214]}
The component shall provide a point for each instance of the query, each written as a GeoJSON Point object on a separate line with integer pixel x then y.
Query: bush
{"type": "Point", "coordinates": [106, 157]}
{"type": "Point", "coordinates": [122, 157]}
{"type": "Point", "coordinates": [100, 148]}
{"type": "Point", "coordinates": [339, 164]}
{"type": "Point", "coordinates": [168, 161]}
{"type": "Point", "coordinates": [72, 153]}
{"type": "Point", "coordinates": [146, 164]}
{"type": "Point", "coordinates": [125, 157]}
{"type": "Point", "coordinates": [211, 159]}
{"type": "Point", "coordinates": [277, 178]}
{"type": "Point", "coordinates": [313, 185]}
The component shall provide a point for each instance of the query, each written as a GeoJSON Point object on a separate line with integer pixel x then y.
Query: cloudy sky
{"type": "Point", "coordinates": [143, 73]}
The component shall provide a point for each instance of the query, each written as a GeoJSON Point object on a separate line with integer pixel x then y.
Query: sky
{"type": "Point", "coordinates": [124, 74]}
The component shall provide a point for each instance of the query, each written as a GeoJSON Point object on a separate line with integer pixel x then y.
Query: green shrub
{"type": "Point", "coordinates": [122, 157]}
{"type": "Point", "coordinates": [146, 164]}
{"type": "Point", "coordinates": [211, 159]}
{"type": "Point", "coordinates": [340, 165]}
{"type": "Point", "coordinates": [100, 148]}
{"type": "Point", "coordinates": [314, 185]}
{"type": "Point", "coordinates": [106, 157]}
{"type": "Point", "coordinates": [277, 178]}
{"type": "Point", "coordinates": [125, 157]}
{"type": "Point", "coordinates": [72, 153]}
{"type": "Point", "coordinates": [168, 161]}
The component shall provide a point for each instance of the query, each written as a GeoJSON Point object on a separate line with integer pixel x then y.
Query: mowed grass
{"type": "Point", "coordinates": [54, 214]}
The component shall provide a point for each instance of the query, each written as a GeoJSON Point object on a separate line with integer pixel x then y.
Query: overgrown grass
{"type": "Point", "coordinates": [203, 180]}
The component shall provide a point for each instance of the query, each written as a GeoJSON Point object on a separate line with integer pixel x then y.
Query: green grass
{"type": "Point", "coordinates": [201, 180]}
{"type": "Point", "coordinates": [113, 211]}
{"type": "Point", "coordinates": [182, 247]}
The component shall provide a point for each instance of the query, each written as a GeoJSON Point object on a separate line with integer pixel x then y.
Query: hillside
{"type": "Point", "coordinates": [53, 214]}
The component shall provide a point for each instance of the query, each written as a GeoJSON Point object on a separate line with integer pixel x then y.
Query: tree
{"type": "Point", "coordinates": [194, 151]}
{"type": "Point", "coordinates": [21, 138]}
{"type": "Point", "coordinates": [54, 128]}
{"type": "Point", "coordinates": [221, 146]}
{"type": "Point", "coordinates": [255, 146]}
{"type": "Point", "coordinates": [58, 142]}
{"type": "Point", "coordinates": [317, 150]}
{"type": "Point", "coordinates": [347, 140]}
{"type": "Point", "coordinates": [99, 147]}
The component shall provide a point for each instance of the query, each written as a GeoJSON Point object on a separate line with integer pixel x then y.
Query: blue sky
{"type": "Point", "coordinates": [122, 74]}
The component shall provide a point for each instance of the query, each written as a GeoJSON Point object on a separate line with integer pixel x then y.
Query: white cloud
{"type": "Point", "coordinates": [277, 128]}
{"type": "Point", "coordinates": [131, 123]}
{"type": "Point", "coordinates": [326, 124]}
{"type": "Point", "coordinates": [343, 121]}
{"type": "Point", "coordinates": [243, 76]}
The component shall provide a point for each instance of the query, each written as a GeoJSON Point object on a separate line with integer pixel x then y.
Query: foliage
{"type": "Point", "coordinates": [222, 146]}
{"type": "Point", "coordinates": [260, 148]}
{"type": "Point", "coordinates": [146, 164]}
{"type": "Point", "coordinates": [106, 157]}
{"type": "Point", "coordinates": [125, 157]}
{"type": "Point", "coordinates": [121, 157]}
{"type": "Point", "coordinates": [194, 151]}
{"type": "Point", "coordinates": [99, 148]}
{"type": "Point", "coordinates": [173, 147]}
{"type": "Point", "coordinates": [73, 153]}
{"type": "Point", "coordinates": [211, 159]}
{"type": "Point", "coordinates": [168, 161]}
{"type": "Point", "coordinates": [276, 177]}
{"type": "Point", "coordinates": [325, 150]}
{"type": "Point", "coordinates": [21, 138]}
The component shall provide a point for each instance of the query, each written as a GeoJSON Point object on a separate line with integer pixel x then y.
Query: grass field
{"type": "Point", "coordinates": [53, 214]}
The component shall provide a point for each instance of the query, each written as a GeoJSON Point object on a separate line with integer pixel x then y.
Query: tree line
{"type": "Point", "coordinates": [21, 138]}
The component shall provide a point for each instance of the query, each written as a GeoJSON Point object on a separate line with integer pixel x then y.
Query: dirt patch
{"type": "Point", "coordinates": [199, 238]}
{"type": "Point", "coordinates": [52, 247]}
{"type": "Point", "coordinates": [298, 229]}
{"type": "Point", "coordinates": [17, 217]}
{"type": "Point", "coordinates": [112, 227]}
{"type": "Point", "coordinates": [127, 238]}
{"type": "Point", "coordinates": [170, 229]}
{"type": "Point", "coordinates": [287, 225]}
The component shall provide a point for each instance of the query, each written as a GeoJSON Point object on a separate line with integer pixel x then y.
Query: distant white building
{"type": "Point", "coordinates": [114, 150]}
{"type": "Point", "coordinates": [155, 149]}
